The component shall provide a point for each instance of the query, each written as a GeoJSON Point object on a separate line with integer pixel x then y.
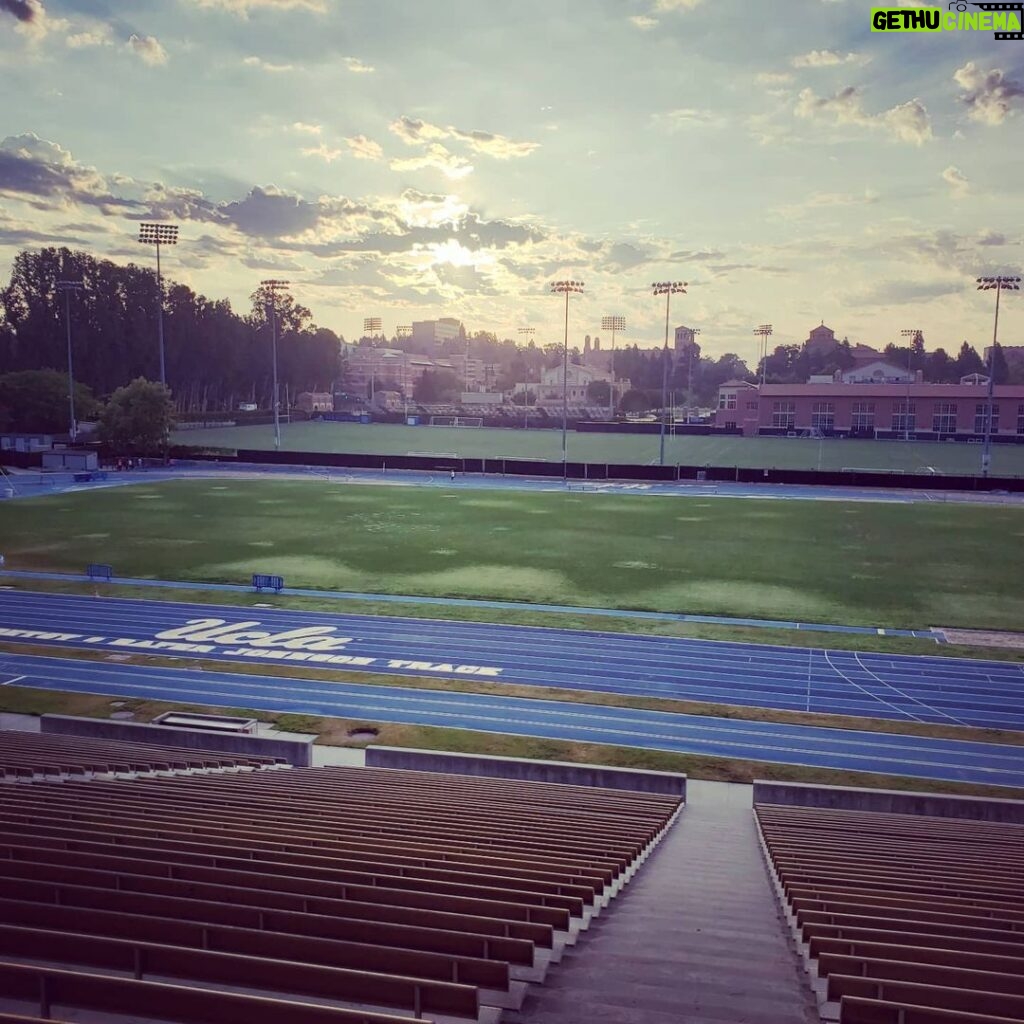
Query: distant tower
{"type": "Point", "coordinates": [586, 345]}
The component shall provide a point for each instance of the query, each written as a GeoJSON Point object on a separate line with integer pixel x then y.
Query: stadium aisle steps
{"type": "Point", "coordinates": [698, 938]}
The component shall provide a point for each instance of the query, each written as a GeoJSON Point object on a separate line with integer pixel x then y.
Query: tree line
{"type": "Point", "coordinates": [215, 357]}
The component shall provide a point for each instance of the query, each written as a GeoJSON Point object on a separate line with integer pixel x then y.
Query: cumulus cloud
{"type": "Point", "coordinates": [99, 35]}
{"type": "Point", "coordinates": [23, 10]}
{"type": "Point", "coordinates": [827, 59]}
{"type": "Point", "coordinates": [33, 20]}
{"type": "Point", "coordinates": [438, 157]}
{"type": "Point", "coordinates": [147, 49]}
{"type": "Point", "coordinates": [415, 132]}
{"type": "Point", "coordinates": [243, 8]}
{"type": "Point", "coordinates": [326, 153]}
{"type": "Point", "coordinates": [356, 66]}
{"type": "Point", "coordinates": [957, 181]}
{"type": "Point", "coordinates": [907, 122]}
{"type": "Point", "coordinates": [35, 169]}
{"type": "Point", "coordinates": [363, 148]}
{"type": "Point", "coordinates": [990, 237]}
{"type": "Point", "coordinates": [990, 96]}
{"type": "Point", "coordinates": [644, 22]}
{"type": "Point", "coordinates": [676, 5]}
{"type": "Point", "coordinates": [266, 65]}
{"type": "Point", "coordinates": [305, 128]}
{"type": "Point", "coordinates": [682, 117]}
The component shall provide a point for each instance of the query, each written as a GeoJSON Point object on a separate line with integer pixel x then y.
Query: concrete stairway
{"type": "Point", "coordinates": [696, 938]}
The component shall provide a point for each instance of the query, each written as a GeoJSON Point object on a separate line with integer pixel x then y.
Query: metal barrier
{"type": "Point", "coordinates": [263, 581]}
{"type": "Point", "coordinates": [99, 571]}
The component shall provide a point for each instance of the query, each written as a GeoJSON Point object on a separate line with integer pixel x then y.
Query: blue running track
{"type": "Point", "coordinates": [918, 689]}
{"type": "Point", "coordinates": [916, 757]}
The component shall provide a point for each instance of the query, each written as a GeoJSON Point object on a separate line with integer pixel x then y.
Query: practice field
{"type": "Point", "coordinates": [759, 452]}
{"type": "Point", "coordinates": [861, 563]}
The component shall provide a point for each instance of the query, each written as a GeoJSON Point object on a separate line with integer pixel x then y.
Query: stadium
{"type": "Point", "coordinates": [413, 613]}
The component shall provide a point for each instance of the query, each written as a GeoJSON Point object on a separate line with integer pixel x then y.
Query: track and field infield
{"type": "Point", "coordinates": [910, 566]}
{"type": "Point", "coordinates": [758, 452]}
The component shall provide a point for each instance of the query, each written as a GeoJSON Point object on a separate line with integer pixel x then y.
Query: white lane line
{"type": "Point", "coordinates": [863, 689]}
{"type": "Point", "coordinates": [895, 689]}
{"type": "Point", "coordinates": [16, 679]}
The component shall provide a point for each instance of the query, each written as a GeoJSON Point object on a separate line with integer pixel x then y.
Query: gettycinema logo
{"type": "Point", "coordinates": [1002, 20]}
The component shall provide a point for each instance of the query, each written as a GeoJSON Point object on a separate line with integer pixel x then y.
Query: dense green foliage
{"type": "Point", "coordinates": [139, 418]}
{"type": "Point", "coordinates": [36, 401]}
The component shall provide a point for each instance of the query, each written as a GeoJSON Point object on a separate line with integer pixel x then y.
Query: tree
{"type": "Point", "coordinates": [635, 401]}
{"type": "Point", "coordinates": [436, 386]}
{"type": "Point", "coordinates": [1000, 370]}
{"type": "Point", "coordinates": [598, 392]}
{"type": "Point", "coordinates": [37, 401]}
{"type": "Point", "coordinates": [968, 361]}
{"type": "Point", "coordinates": [138, 418]}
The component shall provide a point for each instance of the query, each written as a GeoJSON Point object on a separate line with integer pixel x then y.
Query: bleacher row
{"type": "Point", "coordinates": [902, 919]}
{"type": "Point", "coordinates": [28, 756]}
{"type": "Point", "coordinates": [306, 896]}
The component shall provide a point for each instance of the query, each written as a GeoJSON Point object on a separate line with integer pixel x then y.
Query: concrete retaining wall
{"type": "Point", "coordinates": [664, 783]}
{"type": "Point", "coordinates": [890, 801]}
{"type": "Point", "coordinates": [296, 752]}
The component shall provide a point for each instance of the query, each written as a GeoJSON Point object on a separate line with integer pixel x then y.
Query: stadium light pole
{"type": "Point", "coordinates": [565, 288]}
{"type": "Point", "coordinates": [159, 234]}
{"type": "Point", "coordinates": [613, 324]}
{"type": "Point", "coordinates": [668, 289]}
{"type": "Point", "coordinates": [913, 333]}
{"type": "Point", "coordinates": [526, 333]}
{"type": "Point", "coordinates": [371, 324]}
{"type": "Point", "coordinates": [273, 286]}
{"type": "Point", "coordinates": [999, 285]}
{"type": "Point", "coordinates": [67, 287]}
{"type": "Point", "coordinates": [765, 331]}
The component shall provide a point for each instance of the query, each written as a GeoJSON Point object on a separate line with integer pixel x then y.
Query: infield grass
{"type": "Point", "coordinates": [758, 452]}
{"type": "Point", "coordinates": [891, 565]}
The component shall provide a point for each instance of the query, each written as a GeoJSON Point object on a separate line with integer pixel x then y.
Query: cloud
{"type": "Point", "coordinates": [305, 128]}
{"type": "Point", "coordinates": [356, 66]}
{"type": "Point", "coordinates": [437, 157]}
{"type": "Point", "coordinates": [414, 132]}
{"type": "Point", "coordinates": [957, 181]}
{"type": "Point", "coordinates": [683, 117]}
{"type": "Point", "coordinates": [270, 212]}
{"type": "Point", "coordinates": [363, 148]}
{"type": "Point", "coordinates": [827, 59]}
{"type": "Point", "coordinates": [148, 50]}
{"type": "Point", "coordinates": [774, 77]}
{"type": "Point", "coordinates": [676, 5]}
{"type": "Point", "coordinates": [100, 35]}
{"type": "Point", "coordinates": [23, 10]}
{"type": "Point", "coordinates": [34, 169]}
{"type": "Point", "coordinates": [243, 8]}
{"type": "Point", "coordinates": [990, 96]}
{"type": "Point", "coordinates": [906, 122]}
{"type": "Point", "coordinates": [990, 237]}
{"type": "Point", "coordinates": [265, 65]}
{"type": "Point", "coordinates": [902, 293]}
{"type": "Point", "coordinates": [644, 22]}
{"type": "Point", "coordinates": [325, 152]}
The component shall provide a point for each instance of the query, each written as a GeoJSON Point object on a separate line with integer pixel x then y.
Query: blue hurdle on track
{"type": "Point", "coordinates": [261, 581]}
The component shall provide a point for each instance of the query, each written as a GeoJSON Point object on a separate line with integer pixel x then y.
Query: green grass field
{"type": "Point", "coordinates": [778, 452]}
{"type": "Point", "coordinates": [877, 564]}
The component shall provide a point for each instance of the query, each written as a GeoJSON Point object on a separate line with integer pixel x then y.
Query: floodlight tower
{"type": "Point", "coordinates": [613, 324]}
{"type": "Point", "coordinates": [765, 331]}
{"type": "Point", "coordinates": [999, 285]}
{"type": "Point", "coordinates": [565, 288]}
{"type": "Point", "coordinates": [913, 333]}
{"type": "Point", "coordinates": [272, 287]}
{"type": "Point", "coordinates": [67, 287]}
{"type": "Point", "coordinates": [526, 334]}
{"type": "Point", "coordinates": [668, 289]}
{"type": "Point", "coordinates": [372, 325]}
{"type": "Point", "coordinates": [159, 234]}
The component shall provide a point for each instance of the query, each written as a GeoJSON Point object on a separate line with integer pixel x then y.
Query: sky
{"type": "Point", "coordinates": [411, 159]}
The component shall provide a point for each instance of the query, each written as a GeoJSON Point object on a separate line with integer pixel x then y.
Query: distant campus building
{"type": "Point", "coordinates": [928, 412]}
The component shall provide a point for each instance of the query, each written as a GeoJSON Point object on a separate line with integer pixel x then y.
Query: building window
{"type": "Point", "coordinates": [823, 416]}
{"type": "Point", "coordinates": [752, 406]}
{"type": "Point", "coordinates": [944, 419]}
{"type": "Point", "coordinates": [1020, 419]}
{"type": "Point", "coordinates": [863, 417]}
{"type": "Point", "coordinates": [783, 415]}
{"type": "Point", "coordinates": [981, 416]}
{"type": "Point", "coordinates": [904, 418]}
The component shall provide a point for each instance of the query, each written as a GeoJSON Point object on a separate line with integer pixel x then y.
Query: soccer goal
{"type": "Point", "coordinates": [456, 421]}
